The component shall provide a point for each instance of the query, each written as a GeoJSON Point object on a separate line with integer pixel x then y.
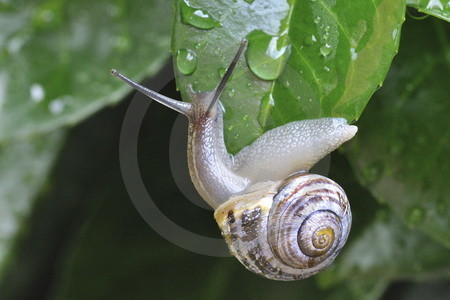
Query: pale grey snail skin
{"type": "Point", "coordinates": [278, 220]}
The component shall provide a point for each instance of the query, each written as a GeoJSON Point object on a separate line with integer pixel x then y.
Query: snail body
{"type": "Point", "coordinates": [280, 221]}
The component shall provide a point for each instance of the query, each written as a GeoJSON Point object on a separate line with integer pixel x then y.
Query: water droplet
{"type": "Point", "coordinates": [198, 46]}
{"type": "Point", "coordinates": [326, 68]}
{"type": "Point", "coordinates": [415, 13]}
{"type": "Point", "coordinates": [186, 61]}
{"type": "Point", "coordinates": [325, 50]}
{"type": "Point", "coordinates": [222, 71]}
{"type": "Point", "coordinates": [15, 45]}
{"type": "Point", "coordinates": [416, 215]}
{"type": "Point", "coordinates": [56, 106]}
{"type": "Point", "coordinates": [231, 92]}
{"type": "Point", "coordinates": [37, 93]}
{"type": "Point", "coordinates": [327, 28]}
{"type": "Point", "coordinates": [435, 4]}
{"type": "Point", "coordinates": [317, 20]}
{"type": "Point", "coordinates": [267, 103]}
{"type": "Point", "coordinates": [197, 17]}
{"type": "Point", "coordinates": [230, 128]}
{"type": "Point", "coordinates": [267, 55]}
{"type": "Point", "coordinates": [245, 117]}
{"type": "Point", "coordinates": [309, 40]}
{"type": "Point", "coordinates": [394, 33]}
{"type": "Point", "coordinates": [353, 54]}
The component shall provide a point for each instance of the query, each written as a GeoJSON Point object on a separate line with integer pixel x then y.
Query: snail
{"type": "Point", "coordinates": [278, 220]}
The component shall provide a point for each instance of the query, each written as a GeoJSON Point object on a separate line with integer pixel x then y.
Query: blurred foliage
{"type": "Point", "coordinates": [401, 150]}
{"type": "Point", "coordinates": [69, 230]}
{"type": "Point", "coordinates": [24, 169]}
{"type": "Point", "coordinates": [54, 53]}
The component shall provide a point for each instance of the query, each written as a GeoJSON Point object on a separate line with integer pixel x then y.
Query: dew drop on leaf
{"type": "Point", "coordinates": [56, 106]}
{"type": "Point", "coordinates": [267, 55]}
{"type": "Point", "coordinates": [186, 61]}
{"type": "Point", "coordinates": [415, 13]}
{"type": "Point", "coordinates": [435, 4]}
{"type": "Point", "coordinates": [222, 72]}
{"type": "Point", "coordinates": [37, 92]}
{"type": "Point", "coordinates": [325, 50]}
{"type": "Point", "coordinates": [415, 215]}
{"type": "Point", "coordinates": [196, 17]}
{"type": "Point", "coordinates": [309, 40]}
{"type": "Point", "coordinates": [267, 103]}
{"type": "Point", "coordinates": [353, 54]}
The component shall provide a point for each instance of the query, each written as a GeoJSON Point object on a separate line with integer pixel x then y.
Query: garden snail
{"type": "Point", "coordinates": [280, 221]}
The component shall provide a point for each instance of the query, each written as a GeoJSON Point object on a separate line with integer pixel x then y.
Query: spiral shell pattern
{"type": "Point", "coordinates": [290, 230]}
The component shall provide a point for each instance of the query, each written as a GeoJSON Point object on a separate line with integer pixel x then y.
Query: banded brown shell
{"type": "Point", "coordinates": [287, 230]}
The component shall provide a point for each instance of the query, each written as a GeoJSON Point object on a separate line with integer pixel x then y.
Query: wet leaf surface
{"type": "Point", "coordinates": [305, 59]}
{"type": "Point", "coordinates": [437, 8]}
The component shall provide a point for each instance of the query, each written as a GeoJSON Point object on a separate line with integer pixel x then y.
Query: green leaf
{"type": "Point", "coordinates": [401, 149]}
{"type": "Point", "coordinates": [306, 59]}
{"type": "Point", "coordinates": [437, 8]}
{"type": "Point", "coordinates": [24, 168]}
{"type": "Point", "coordinates": [55, 58]}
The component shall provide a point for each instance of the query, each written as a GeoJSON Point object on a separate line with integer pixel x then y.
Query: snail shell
{"type": "Point", "coordinates": [289, 230]}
